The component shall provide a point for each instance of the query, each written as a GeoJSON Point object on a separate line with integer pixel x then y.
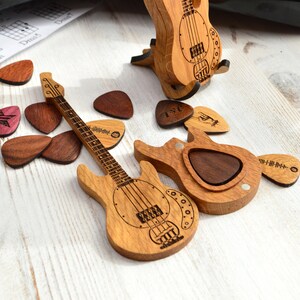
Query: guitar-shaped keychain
{"type": "Point", "coordinates": [187, 49]}
{"type": "Point", "coordinates": [145, 219]}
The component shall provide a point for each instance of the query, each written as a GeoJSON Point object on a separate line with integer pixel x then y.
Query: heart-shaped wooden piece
{"type": "Point", "coordinates": [20, 151]}
{"type": "Point", "coordinates": [171, 113]}
{"type": "Point", "coordinates": [9, 120]}
{"type": "Point", "coordinates": [43, 116]}
{"type": "Point", "coordinates": [64, 148]}
{"type": "Point", "coordinates": [207, 120]}
{"type": "Point", "coordinates": [109, 132]}
{"type": "Point", "coordinates": [115, 104]}
{"type": "Point", "coordinates": [281, 169]}
{"type": "Point", "coordinates": [17, 73]}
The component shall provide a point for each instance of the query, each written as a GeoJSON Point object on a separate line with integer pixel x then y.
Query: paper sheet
{"type": "Point", "coordinates": [24, 25]}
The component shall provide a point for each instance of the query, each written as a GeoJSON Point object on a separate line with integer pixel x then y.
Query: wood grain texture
{"type": "Point", "coordinates": [63, 149]}
{"type": "Point", "coordinates": [208, 120]}
{"type": "Point", "coordinates": [53, 241]}
{"type": "Point", "coordinates": [282, 169]}
{"type": "Point", "coordinates": [170, 113]}
{"type": "Point", "coordinates": [115, 104]}
{"type": "Point", "coordinates": [9, 120]}
{"type": "Point", "coordinates": [20, 151]}
{"type": "Point", "coordinates": [17, 73]}
{"type": "Point", "coordinates": [43, 116]}
{"type": "Point", "coordinates": [173, 160]}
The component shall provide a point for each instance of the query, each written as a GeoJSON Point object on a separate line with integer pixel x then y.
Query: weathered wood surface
{"type": "Point", "coordinates": [52, 235]}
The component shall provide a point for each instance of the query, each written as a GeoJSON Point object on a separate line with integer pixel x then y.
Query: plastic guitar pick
{"type": "Point", "coordinates": [115, 104]}
{"type": "Point", "coordinates": [170, 113]}
{"type": "Point", "coordinates": [20, 151]}
{"type": "Point", "coordinates": [64, 148]}
{"type": "Point", "coordinates": [43, 116]}
{"type": "Point", "coordinates": [109, 132]}
{"type": "Point", "coordinates": [17, 73]}
{"type": "Point", "coordinates": [207, 120]}
{"type": "Point", "coordinates": [281, 169]}
{"type": "Point", "coordinates": [9, 120]}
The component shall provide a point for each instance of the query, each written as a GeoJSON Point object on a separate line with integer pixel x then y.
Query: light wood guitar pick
{"type": "Point", "coordinates": [115, 104]}
{"type": "Point", "coordinates": [20, 151]}
{"type": "Point", "coordinates": [17, 73]}
{"type": "Point", "coordinates": [43, 116]}
{"type": "Point", "coordinates": [170, 113]}
{"type": "Point", "coordinates": [64, 148]}
{"type": "Point", "coordinates": [9, 120]}
{"type": "Point", "coordinates": [109, 132]}
{"type": "Point", "coordinates": [281, 169]}
{"type": "Point", "coordinates": [207, 120]}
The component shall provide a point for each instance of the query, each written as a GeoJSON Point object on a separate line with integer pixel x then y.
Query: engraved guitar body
{"type": "Point", "coordinates": [187, 48]}
{"type": "Point", "coordinates": [145, 219]}
{"type": "Point", "coordinates": [219, 178]}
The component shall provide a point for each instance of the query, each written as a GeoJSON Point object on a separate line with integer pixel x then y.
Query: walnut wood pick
{"type": "Point", "coordinates": [170, 113]}
{"type": "Point", "coordinates": [20, 151]}
{"type": "Point", "coordinates": [64, 148]}
{"type": "Point", "coordinates": [17, 73]}
{"type": "Point", "coordinates": [207, 120]}
{"type": "Point", "coordinates": [109, 132]}
{"type": "Point", "coordinates": [281, 169]}
{"type": "Point", "coordinates": [43, 116]}
{"type": "Point", "coordinates": [9, 120]}
{"type": "Point", "coordinates": [115, 104]}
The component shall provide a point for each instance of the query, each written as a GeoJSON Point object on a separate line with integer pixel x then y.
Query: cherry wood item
{"type": "Point", "coordinates": [20, 151]}
{"type": "Point", "coordinates": [9, 120]}
{"type": "Point", "coordinates": [219, 178]}
{"type": "Point", "coordinates": [109, 132]}
{"type": "Point", "coordinates": [170, 113]}
{"type": "Point", "coordinates": [43, 116]}
{"type": "Point", "coordinates": [187, 49]}
{"type": "Point", "coordinates": [281, 169]}
{"type": "Point", "coordinates": [17, 73]}
{"type": "Point", "coordinates": [207, 120]}
{"type": "Point", "coordinates": [145, 219]}
{"type": "Point", "coordinates": [64, 148]}
{"type": "Point", "coordinates": [115, 104]}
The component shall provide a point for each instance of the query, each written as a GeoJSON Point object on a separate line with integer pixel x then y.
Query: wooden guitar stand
{"type": "Point", "coordinates": [187, 49]}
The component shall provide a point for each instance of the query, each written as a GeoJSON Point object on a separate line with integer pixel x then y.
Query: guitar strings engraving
{"type": "Point", "coordinates": [161, 232]}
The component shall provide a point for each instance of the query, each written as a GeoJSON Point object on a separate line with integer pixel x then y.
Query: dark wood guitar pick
{"type": "Point", "coordinates": [20, 151]}
{"type": "Point", "coordinates": [9, 120]}
{"type": "Point", "coordinates": [43, 116]}
{"type": "Point", "coordinates": [282, 169]}
{"type": "Point", "coordinates": [17, 73]}
{"type": "Point", "coordinates": [64, 148]}
{"type": "Point", "coordinates": [115, 104]}
{"type": "Point", "coordinates": [170, 113]}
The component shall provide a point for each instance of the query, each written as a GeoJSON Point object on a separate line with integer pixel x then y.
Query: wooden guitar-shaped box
{"type": "Point", "coordinates": [145, 219]}
{"type": "Point", "coordinates": [219, 178]}
{"type": "Point", "coordinates": [187, 49]}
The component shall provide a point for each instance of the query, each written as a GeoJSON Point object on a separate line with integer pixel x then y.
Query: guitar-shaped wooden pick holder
{"type": "Point", "coordinates": [219, 178]}
{"type": "Point", "coordinates": [187, 50]}
{"type": "Point", "coordinates": [145, 220]}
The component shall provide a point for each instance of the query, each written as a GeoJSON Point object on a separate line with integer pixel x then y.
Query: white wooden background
{"type": "Point", "coordinates": [52, 235]}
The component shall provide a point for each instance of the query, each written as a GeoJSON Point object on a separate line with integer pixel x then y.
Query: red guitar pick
{"type": "Point", "coordinates": [9, 120]}
{"type": "Point", "coordinates": [17, 73]}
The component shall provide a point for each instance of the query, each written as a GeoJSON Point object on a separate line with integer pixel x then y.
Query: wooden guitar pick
{"type": "Point", "coordinates": [17, 73]}
{"type": "Point", "coordinates": [43, 116]}
{"type": "Point", "coordinates": [64, 148]}
{"type": "Point", "coordinates": [20, 151]}
{"type": "Point", "coordinates": [207, 120]}
{"type": "Point", "coordinates": [170, 113]}
{"type": "Point", "coordinates": [109, 132]}
{"type": "Point", "coordinates": [281, 169]}
{"type": "Point", "coordinates": [9, 120]}
{"type": "Point", "coordinates": [115, 104]}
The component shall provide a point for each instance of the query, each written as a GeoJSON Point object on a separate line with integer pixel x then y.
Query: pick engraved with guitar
{"type": "Point", "coordinates": [145, 219]}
